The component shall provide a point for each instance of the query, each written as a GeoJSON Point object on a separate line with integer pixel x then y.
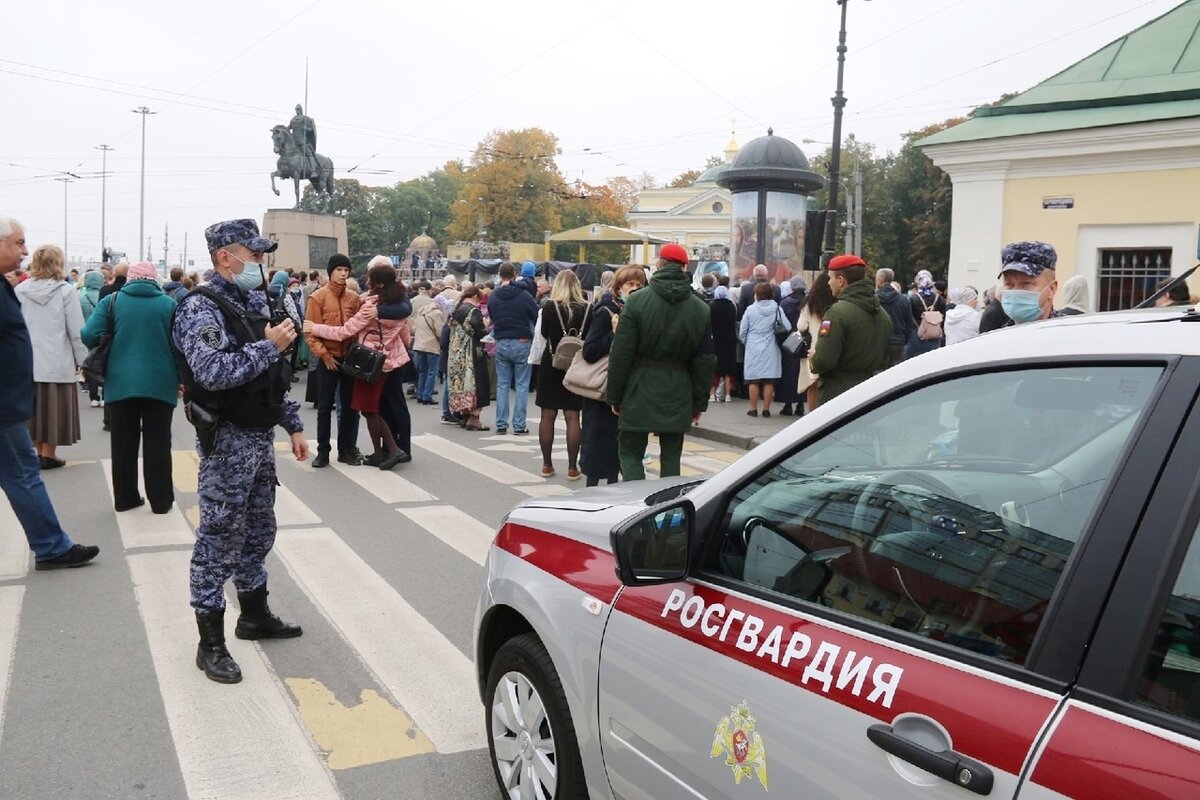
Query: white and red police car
{"type": "Point", "coordinates": [975, 574]}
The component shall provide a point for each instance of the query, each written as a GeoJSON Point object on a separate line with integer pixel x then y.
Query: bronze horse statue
{"type": "Point", "coordinates": [294, 164]}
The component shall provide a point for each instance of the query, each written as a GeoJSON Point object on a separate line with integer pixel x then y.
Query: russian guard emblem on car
{"type": "Point", "coordinates": [741, 745]}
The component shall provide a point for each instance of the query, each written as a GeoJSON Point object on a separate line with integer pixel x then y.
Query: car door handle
{"type": "Point", "coordinates": [945, 764]}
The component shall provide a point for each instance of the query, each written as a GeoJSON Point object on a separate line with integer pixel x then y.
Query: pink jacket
{"type": "Point", "coordinates": [396, 335]}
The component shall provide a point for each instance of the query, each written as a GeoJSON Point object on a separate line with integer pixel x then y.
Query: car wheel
{"type": "Point", "coordinates": [530, 735]}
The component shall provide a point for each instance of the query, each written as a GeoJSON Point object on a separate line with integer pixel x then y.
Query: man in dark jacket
{"type": "Point", "coordinates": [20, 473]}
{"type": "Point", "coordinates": [855, 332]}
{"type": "Point", "coordinates": [660, 367]}
{"type": "Point", "coordinates": [898, 308]}
{"type": "Point", "coordinates": [120, 275]}
{"type": "Point", "coordinates": [746, 294]}
{"type": "Point", "coordinates": [513, 312]}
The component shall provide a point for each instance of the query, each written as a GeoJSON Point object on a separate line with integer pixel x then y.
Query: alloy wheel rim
{"type": "Point", "coordinates": [523, 745]}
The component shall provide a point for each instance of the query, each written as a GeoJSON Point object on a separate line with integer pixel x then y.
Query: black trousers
{"type": "Point", "coordinates": [330, 384]}
{"type": "Point", "coordinates": [393, 407]}
{"type": "Point", "coordinates": [147, 420]}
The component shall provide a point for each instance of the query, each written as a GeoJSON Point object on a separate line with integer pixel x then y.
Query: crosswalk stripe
{"type": "Point", "coordinates": [461, 531]}
{"type": "Point", "coordinates": [544, 490]}
{"type": "Point", "coordinates": [10, 615]}
{"type": "Point", "coordinates": [14, 548]}
{"type": "Point", "coordinates": [385, 485]}
{"type": "Point", "coordinates": [291, 510]}
{"type": "Point", "coordinates": [231, 741]}
{"type": "Point", "coordinates": [142, 528]}
{"type": "Point", "coordinates": [499, 471]}
{"type": "Point", "coordinates": [394, 641]}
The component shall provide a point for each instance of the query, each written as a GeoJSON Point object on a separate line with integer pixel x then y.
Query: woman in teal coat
{"type": "Point", "coordinates": [140, 387]}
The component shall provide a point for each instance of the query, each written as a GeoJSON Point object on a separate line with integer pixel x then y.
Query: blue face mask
{"type": "Point", "coordinates": [251, 276]}
{"type": "Point", "coordinates": [1021, 305]}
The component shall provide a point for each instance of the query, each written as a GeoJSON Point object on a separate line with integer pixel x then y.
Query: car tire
{"type": "Point", "coordinates": [544, 753]}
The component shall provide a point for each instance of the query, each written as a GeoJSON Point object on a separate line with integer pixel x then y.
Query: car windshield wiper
{"type": "Point", "coordinates": [1178, 279]}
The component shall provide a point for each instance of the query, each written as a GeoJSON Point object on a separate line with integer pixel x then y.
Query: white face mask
{"type": "Point", "coordinates": [251, 277]}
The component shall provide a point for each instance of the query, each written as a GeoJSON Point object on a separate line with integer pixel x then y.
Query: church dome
{"type": "Point", "coordinates": [423, 242]}
{"type": "Point", "coordinates": [770, 162]}
{"type": "Point", "coordinates": [710, 175]}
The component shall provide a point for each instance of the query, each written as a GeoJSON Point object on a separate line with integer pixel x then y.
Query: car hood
{"type": "Point", "coordinates": [590, 515]}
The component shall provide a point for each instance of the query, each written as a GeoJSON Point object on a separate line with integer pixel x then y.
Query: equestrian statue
{"type": "Point", "coordinates": [296, 145]}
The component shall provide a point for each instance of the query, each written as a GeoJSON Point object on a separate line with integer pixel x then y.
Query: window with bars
{"type": "Point", "coordinates": [1128, 276]}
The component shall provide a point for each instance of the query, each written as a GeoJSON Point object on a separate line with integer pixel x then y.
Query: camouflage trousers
{"type": "Point", "coordinates": [237, 515]}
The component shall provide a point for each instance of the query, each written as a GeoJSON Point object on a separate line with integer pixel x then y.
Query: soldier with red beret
{"type": "Point", "coordinates": [854, 333]}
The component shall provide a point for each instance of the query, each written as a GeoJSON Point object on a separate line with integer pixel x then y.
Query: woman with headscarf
{"type": "Point", "coordinates": [1073, 298]}
{"type": "Point", "coordinates": [54, 318]}
{"type": "Point", "coordinates": [140, 387]}
{"type": "Point", "coordinates": [794, 292]}
{"type": "Point", "coordinates": [722, 315]}
{"type": "Point", "coordinates": [925, 299]}
{"type": "Point", "coordinates": [962, 319]}
{"type": "Point", "coordinates": [466, 361]}
{"type": "Point", "coordinates": [762, 365]}
{"type": "Point", "coordinates": [89, 298]}
{"type": "Point", "coordinates": [811, 316]}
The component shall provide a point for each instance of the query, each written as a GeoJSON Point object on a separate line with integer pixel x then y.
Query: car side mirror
{"type": "Point", "coordinates": [655, 546]}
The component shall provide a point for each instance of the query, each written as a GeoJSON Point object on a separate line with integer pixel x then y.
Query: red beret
{"type": "Point", "coordinates": [673, 252]}
{"type": "Point", "coordinates": [841, 262]}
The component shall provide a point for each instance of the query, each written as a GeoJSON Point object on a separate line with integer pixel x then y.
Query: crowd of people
{"type": "Point", "coordinates": [644, 354]}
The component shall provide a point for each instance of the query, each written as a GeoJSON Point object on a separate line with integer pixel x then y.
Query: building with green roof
{"type": "Point", "coordinates": [1102, 160]}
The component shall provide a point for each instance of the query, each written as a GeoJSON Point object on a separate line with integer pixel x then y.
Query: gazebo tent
{"type": "Point", "coordinates": [597, 233]}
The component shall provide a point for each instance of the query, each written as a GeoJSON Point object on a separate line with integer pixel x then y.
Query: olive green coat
{"type": "Point", "coordinates": [661, 364]}
{"type": "Point", "coordinates": [853, 340]}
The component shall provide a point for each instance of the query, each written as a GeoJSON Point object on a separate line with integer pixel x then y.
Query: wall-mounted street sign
{"type": "Point", "coordinates": [1058, 202]}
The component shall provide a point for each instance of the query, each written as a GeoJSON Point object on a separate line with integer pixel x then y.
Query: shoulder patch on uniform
{"type": "Point", "coordinates": [826, 326]}
{"type": "Point", "coordinates": [212, 336]}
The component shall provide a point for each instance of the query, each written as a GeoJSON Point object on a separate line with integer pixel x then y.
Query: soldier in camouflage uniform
{"type": "Point", "coordinates": [235, 382]}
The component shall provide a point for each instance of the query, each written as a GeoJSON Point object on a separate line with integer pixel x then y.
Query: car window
{"type": "Point", "coordinates": [1171, 678]}
{"type": "Point", "coordinates": [949, 512]}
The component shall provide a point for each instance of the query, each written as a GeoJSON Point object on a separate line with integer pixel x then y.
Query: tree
{"type": "Point", "coordinates": [586, 204]}
{"type": "Point", "coordinates": [684, 179]}
{"type": "Point", "coordinates": [511, 190]}
{"type": "Point", "coordinates": [922, 197]}
{"type": "Point", "coordinates": [625, 191]}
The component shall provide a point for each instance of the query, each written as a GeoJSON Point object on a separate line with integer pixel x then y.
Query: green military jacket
{"type": "Point", "coordinates": [661, 364]}
{"type": "Point", "coordinates": [853, 340]}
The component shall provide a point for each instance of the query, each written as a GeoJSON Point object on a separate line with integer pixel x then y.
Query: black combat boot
{"type": "Point", "coordinates": [256, 620]}
{"type": "Point", "coordinates": [211, 656]}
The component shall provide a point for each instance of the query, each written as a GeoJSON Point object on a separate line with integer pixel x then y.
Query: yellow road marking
{"type": "Point", "coordinates": [369, 733]}
{"type": "Point", "coordinates": [185, 470]}
{"type": "Point", "coordinates": [694, 447]}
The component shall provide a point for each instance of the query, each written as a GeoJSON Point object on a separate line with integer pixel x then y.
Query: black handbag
{"type": "Point", "coordinates": [95, 364]}
{"type": "Point", "coordinates": [781, 330]}
{"type": "Point", "coordinates": [797, 344]}
{"type": "Point", "coordinates": [362, 362]}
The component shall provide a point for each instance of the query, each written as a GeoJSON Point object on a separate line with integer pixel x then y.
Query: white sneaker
{"type": "Point", "coordinates": [95, 404]}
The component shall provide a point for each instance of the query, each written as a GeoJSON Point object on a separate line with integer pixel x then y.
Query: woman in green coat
{"type": "Point", "coordinates": [140, 387]}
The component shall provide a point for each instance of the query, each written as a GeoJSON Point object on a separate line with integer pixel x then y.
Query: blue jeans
{"type": "Point", "coordinates": [426, 364]}
{"type": "Point", "coordinates": [512, 361]}
{"type": "Point", "coordinates": [21, 480]}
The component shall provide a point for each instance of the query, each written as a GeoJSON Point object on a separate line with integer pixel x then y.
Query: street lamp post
{"type": "Point", "coordinates": [104, 150]}
{"type": "Point", "coordinates": [835, 161]}
{"type": "Point", "coordinates": [64, 181]}
{"type": "Point", "coordinates": [142, 203]}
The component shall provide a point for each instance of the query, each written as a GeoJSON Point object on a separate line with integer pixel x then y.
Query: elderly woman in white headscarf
{"type": "Point", "coordinates": [1073, 296]}
{"type": "Point", "coordinates": [925, 299]}
{"type": "Point", "coordinates": [962, 317]}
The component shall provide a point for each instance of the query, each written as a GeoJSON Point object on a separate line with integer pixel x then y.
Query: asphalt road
{"type": "Point", "coordinates": [377, 700]}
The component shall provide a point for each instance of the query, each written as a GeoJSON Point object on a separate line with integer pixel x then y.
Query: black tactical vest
{"type": "Point", "coordinates": [257, 404]}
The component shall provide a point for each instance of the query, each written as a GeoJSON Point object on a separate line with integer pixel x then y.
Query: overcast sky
{"type": "Point", "coordinates": [397, 89]}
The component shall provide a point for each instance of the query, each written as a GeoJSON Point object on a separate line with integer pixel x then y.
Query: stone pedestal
{"type": "Point", "coordinates": [306, 241]}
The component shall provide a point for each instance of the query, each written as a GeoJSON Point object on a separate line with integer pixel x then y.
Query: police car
{"type": "Point", "coordinates": [977, 573]}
